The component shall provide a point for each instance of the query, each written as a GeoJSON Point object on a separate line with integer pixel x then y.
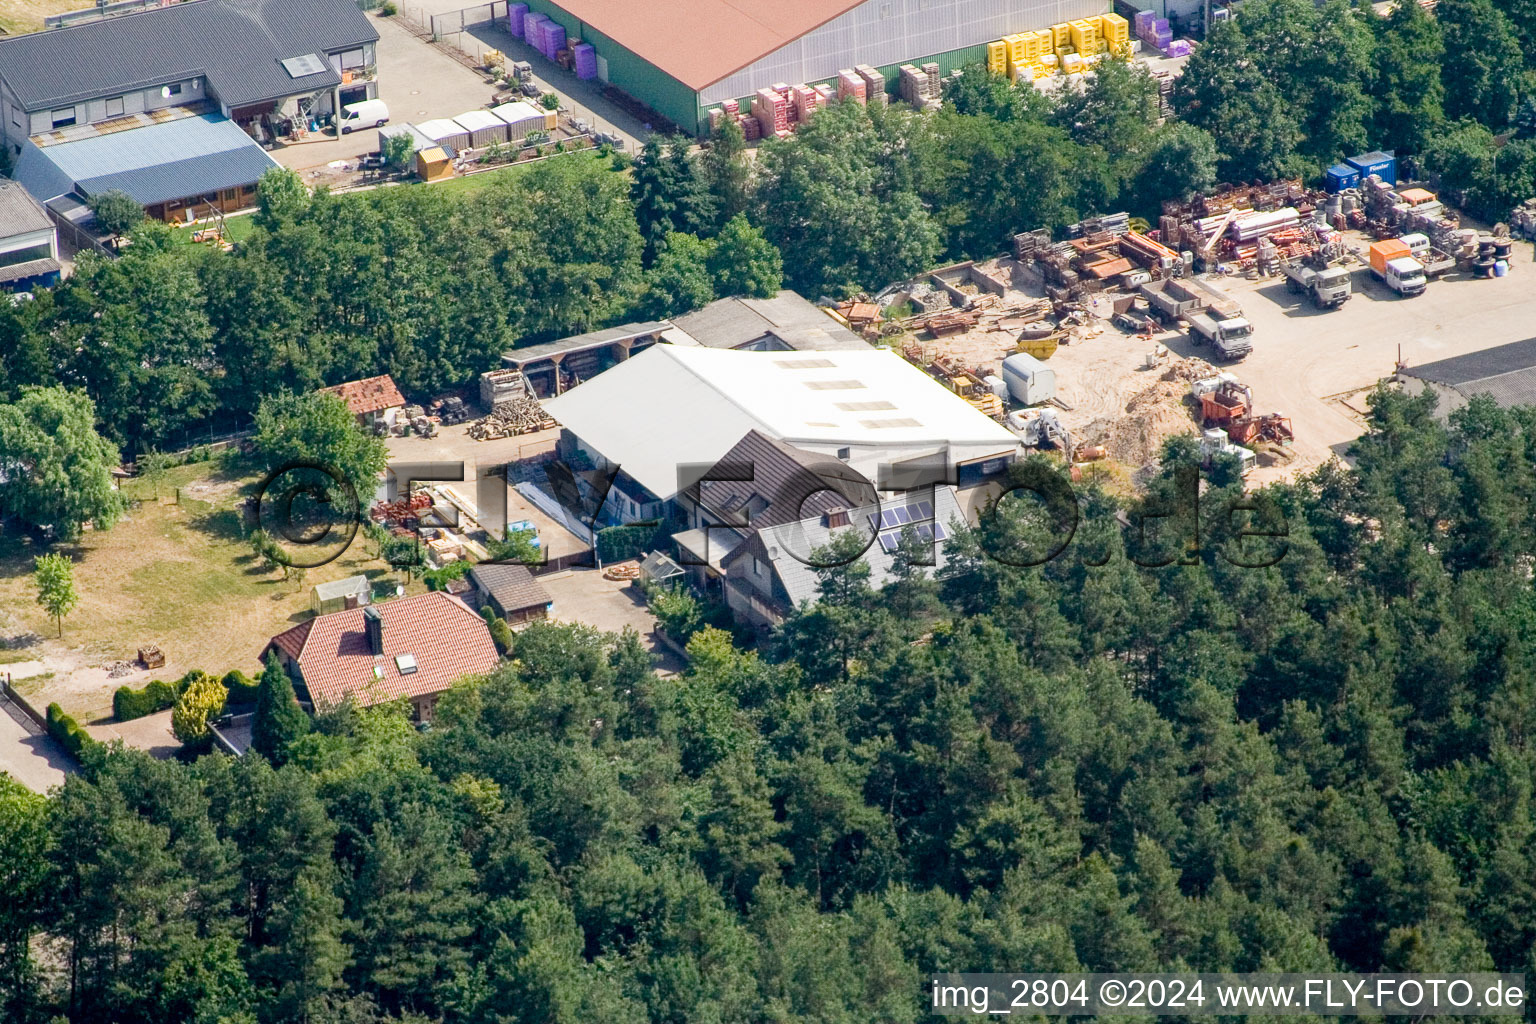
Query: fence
{"type": "Point", "coordinates": [9, 693]}
{"type": "Point", "coordinates": [466, 18]}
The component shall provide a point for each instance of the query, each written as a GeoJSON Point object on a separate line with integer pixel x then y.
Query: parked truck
{"type": "Point", "coordinates": [1172, 298]}
{"type": "Point", "coordinates": [1392, 264]}
{"type": "Point", "coordinates": [1328, 287]}
{"type": "Point", "coordinates": [1434, 261]}
{"type": "Point", "coordinates": [1229, 336]}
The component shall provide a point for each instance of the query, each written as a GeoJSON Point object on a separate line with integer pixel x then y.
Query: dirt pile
{"type": "Point", "coordinates": [1152, 415]}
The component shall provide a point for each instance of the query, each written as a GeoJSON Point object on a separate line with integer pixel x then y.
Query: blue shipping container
{"type": "Point", "coordinates": [1381, 164]}
{"type": "Point", "coordinates": [1341, 177]}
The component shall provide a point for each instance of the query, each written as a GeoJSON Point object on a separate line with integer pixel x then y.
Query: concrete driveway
{"type": "Point", "coordinates": [29, 755]}
{"type": "Point", "coordinates": [419, 83]}
{"type": "Point", "coordinates": [151, 734]}
{"type": "Point", "coordinates": [584, 596]}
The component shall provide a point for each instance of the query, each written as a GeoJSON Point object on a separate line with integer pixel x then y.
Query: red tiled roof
{"type": "Point", "coordinates": [699, 42]}
{"type": "Point", "coordinates": [371, 395]}
{"type": "Point", "coordinates": [448, 641]}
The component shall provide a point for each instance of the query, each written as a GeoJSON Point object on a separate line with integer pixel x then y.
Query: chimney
{"type": "Point", "coordinates": [373, 625]}
{"type": "Point", "coordinates": [835, 516]}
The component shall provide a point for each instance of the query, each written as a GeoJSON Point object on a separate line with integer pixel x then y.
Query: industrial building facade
{"type": "Point", "coordinates": [683, 57]}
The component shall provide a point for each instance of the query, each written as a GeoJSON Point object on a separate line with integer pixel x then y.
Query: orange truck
{"type": "Point", "coordinates": [1392, 264]}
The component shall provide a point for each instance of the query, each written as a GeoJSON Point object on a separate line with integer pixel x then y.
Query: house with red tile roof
{"type": "Point", "coordinates": [371, 400]}
{"type": "Point", "coordinates": [412, 648]}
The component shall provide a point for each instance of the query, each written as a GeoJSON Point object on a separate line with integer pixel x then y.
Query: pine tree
{"type": "Point", "coordinates": [723, 170]}
{"type": "Point", "coordinates": [279, 719]}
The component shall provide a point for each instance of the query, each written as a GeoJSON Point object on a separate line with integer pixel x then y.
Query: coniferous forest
{"type": "Point", "coordinates": [1087, 764]}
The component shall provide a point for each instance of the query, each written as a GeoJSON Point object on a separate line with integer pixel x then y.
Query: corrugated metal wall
{"type": "Point", "coordinates": [885, 32]}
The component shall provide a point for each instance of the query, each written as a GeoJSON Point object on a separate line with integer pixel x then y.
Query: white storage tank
{"type": "Point", "coordinates": [1029, 380]}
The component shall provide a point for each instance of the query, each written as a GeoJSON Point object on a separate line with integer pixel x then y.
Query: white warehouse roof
{"type": "Point", "coordinates": [672, 406]}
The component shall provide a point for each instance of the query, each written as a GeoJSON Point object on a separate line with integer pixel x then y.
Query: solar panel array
{"type": "Point", "coordinates": [890, 523]}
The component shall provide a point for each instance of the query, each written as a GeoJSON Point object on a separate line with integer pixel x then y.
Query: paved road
{"type": "Point", "coordinates": [28, 755]}
{"type": "Point", "coordinates": [419, 83]}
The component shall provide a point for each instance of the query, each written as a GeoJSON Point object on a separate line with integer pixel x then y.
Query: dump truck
{"type": "Point", "coordinates": [1328, 287]}
{"type": "Point", "coordinates": [1172, 298]}
{"type": "Point", "coordinates": [1229, 336]}
{"type": "Point", "coordinates": [1393, 265]}
{"type": "Point", "coordinates": [1434, 261]}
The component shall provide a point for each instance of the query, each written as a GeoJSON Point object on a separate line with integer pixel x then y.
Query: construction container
{"type": "Point", "coordinates": [1342, 176]}
{"type": "Point", "coordinates": [520, 118]}
{"type": "Point", "coordinates": [1029, 381]}
{"type": "Point", "coordinates": [1383, 165]}
{"type": "Point", "coordinates": [445, 133]}
{"type": "Point", "coordinates": [484, 128]}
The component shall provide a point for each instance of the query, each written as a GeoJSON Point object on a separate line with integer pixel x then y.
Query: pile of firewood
{"type": "Point", "coordinates": [522, 415]}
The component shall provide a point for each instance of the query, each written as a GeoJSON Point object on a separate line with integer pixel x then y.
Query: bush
{"type": "Point", "coordinates": [201, 700]}
{"type": "Point", "coordinates": [387, 9]}
{"type": "Point", "coordinates": [128, 703]}
{"type": "Point", "coordinates": [501, 635]}
{"type": "Point", "coordinates": [678, 613]}
{"type": "Point", "coordinates": [438, 579]}
{"type": "Point", "coordinates": [242, 689]}
{"type": "Point", "coordinates": [67, 731]}
{"type": "Point", "coordinates": [620, 543]}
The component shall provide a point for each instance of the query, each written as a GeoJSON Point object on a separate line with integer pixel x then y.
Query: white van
{"type": "Point", "coordinates": [367, 114]}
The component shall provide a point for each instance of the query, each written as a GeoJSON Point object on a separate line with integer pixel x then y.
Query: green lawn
{"type": "Point", "coordinates": [178, 575]}
{"type": "Point", "coordinates": [473, 183]}
{"type": "Point", "coordinates": [236, 228]}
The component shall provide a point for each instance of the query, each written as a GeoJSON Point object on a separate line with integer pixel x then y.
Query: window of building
{"type": "Point", "coordinates": [351, 59]}
{"type": "Point", "coordinates": [16, 116]}
{"type": "Point", "coordinates": [115, 107]}
{"type": "Point", "coordinates": [757, 567]}
{"type": "Point", "coordinates": [174, 89]}
{"type": "Point", "coordinates": [64, 118]}
{"type": "Point", "coordinates": [247, 190]}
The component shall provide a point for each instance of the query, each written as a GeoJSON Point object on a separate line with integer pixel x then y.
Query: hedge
{"type": "Point", "coordinates": [621, 543]}
{"type": "Point", "coordinates": [242, 689]}
{"type": "Point", "coordinates": [67, 731]}
{"type": "Point", "coordinates": [128, 703]}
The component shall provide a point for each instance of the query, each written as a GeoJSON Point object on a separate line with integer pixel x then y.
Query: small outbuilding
{"type": "Point", "coordinates": [520, 119]}
{"type": "Point", "coordinates": [341, 595]}
{"type": "Point", "coordinates": [446, 133]}
{"type": "Point", "coordinates": [484, 128]}
{"type": "Point", "coordinates": [372, 400]}
{"type": "Point", "coordinates": [511, 591]}
{"type": "Point", "coordinates": [432, 164]}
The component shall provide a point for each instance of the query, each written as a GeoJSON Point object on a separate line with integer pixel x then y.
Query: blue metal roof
{"type": "Point", "coordinates": [174, 160]}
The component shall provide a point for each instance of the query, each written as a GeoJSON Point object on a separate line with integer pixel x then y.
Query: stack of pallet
{"type": "Point", "coordinates": [874, 84]}
{"type": "Point", "coordinates": [851, 86]}
{"type": "Point", "coordinates": [771, 111]}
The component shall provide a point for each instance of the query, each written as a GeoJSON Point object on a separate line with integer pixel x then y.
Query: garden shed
{"type": "Point", "coordinates": [445, 133]}
{"type": "Point", "coordinates": [340, 595]}
{"type": "Point", "coordinates": [520, 119]}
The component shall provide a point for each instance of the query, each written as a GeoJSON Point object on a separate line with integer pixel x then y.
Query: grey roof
{"type": "Point", "coordinates": [787, 317]}
{"type": "Point", "coordinates": [20, 212]}
{"type": "Point", "coordinates": [31, 268]}
{"type": "Point", "coordinates": [518, 357]}
{"type": "Point", "coordinates": [418, 140]}
{"type": "Point", "coordinates": [1478, 366]}
{"type": "Point", "coordinates": [236, 44]}
{"type": "Point", "coordinates": [787, 483]}
{"type": "Point", "coordinates": [798, 579]}
{"type": "Point", "coordinates": [187, 157]}
{"type": "Point", "coordinates": [511, 584]}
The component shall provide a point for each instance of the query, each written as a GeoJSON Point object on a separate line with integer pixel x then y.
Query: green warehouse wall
{"type": "Point", "coordinates": [947, 61]}
{"type": "Point", "coordinates": [628, 71]}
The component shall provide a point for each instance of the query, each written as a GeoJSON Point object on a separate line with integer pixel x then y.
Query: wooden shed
{"type": "Point", "coordinates": [445, 133]}
{"type": "Point", "coordinates": [433, 164]}
{"type": "Point", "coordinates": [485, 128]}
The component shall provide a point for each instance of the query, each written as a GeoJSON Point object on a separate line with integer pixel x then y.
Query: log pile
{"type": "Point", "coordinates": [521, 415]}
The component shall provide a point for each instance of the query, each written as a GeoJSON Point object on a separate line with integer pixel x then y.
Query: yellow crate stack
{"type": "Point", "coordinates": [1061, 37]}
{"type": "Point", "coordinates": [997, 56]}
{"type": "Point", "coordinates": [1085, 35]}
{"type": "Point", "coordinates": [1115, 30]}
